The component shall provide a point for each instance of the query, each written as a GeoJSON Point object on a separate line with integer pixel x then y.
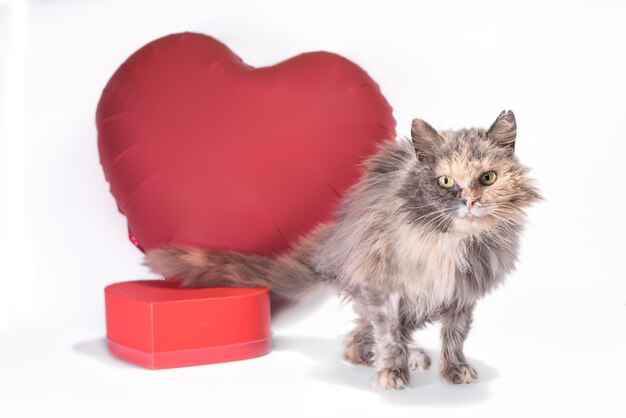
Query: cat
{"type": "Point", "coordinates": [432, 225]}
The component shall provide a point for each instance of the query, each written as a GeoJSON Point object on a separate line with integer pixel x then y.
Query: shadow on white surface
{"type": "Point", "coordinates": [97, 348]}
{"type": "Point", "coordinates": [426, 387]}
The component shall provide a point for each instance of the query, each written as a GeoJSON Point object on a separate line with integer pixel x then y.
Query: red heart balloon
{"type": "Point", "coordinates": [200, 148]}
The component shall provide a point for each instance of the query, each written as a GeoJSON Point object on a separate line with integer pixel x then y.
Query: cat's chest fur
{"type": "Point", "coordinates": [428, 263]}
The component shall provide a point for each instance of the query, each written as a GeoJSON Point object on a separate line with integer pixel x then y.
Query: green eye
{"type": "Point", "coordinates": [445, 182]}
{"type": "Point", "coordinates": [488, 178]}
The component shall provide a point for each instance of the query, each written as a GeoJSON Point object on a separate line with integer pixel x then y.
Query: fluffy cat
{"type": "Point", "coordinates": [432, 225]}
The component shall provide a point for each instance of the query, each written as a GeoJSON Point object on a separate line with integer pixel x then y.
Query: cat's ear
{"type": "Point", "coordinates": [504, 131]}
{"type": "Point", "coordinates": [426, 140]}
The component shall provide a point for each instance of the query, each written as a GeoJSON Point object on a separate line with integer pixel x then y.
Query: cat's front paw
{"type": "Point", "coordinates": [392, 378]}
{"type": "Point", "coordinates": [418, 359]}
{"type": "Point", "coordinates": [460, 374]}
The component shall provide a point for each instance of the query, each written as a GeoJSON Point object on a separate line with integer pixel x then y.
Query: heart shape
{"type": "Point", "coordinates": [201, 149]}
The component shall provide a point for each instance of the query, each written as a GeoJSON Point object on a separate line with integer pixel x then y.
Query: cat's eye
{"type": "Point", "coordinates": [445, 182]}
{"type": "Point", "coordinates": [488, 178]}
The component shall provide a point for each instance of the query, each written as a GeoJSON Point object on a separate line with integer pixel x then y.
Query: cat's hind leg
{"type": "Point", "coordinates": [359, 344]}
{"type": "Point", "coordinates": [418, 359]}
{"type": "Point", "coordinates": [359, 348]}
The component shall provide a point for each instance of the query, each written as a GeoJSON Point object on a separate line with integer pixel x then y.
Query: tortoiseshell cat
{"type": "Point", "coordinates": [432, 225]}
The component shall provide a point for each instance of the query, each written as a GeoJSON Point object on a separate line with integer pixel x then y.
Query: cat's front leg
{"type": "Point", "coordinates": [455, 328]}
{"type": "Point", "coordinates": [390, 345]}
{"type": "Point", "coordinates": [411, 321]}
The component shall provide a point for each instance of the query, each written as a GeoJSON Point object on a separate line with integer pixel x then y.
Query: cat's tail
{"type": "Point", "coordinates": [290, 275]}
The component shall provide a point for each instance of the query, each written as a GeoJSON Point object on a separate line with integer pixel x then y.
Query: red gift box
{"type": "Point", "coordinates": [156, 324]}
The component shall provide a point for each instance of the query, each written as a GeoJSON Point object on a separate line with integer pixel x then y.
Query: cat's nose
{"type": "Point", "coordinates": [469, 201]}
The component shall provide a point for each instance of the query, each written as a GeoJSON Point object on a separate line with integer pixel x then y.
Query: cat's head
{"type": "Point", "coordinates": [473, 177]}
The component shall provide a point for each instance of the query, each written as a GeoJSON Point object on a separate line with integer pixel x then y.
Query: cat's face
{"type": "Point", "coordinates": [473, 176]}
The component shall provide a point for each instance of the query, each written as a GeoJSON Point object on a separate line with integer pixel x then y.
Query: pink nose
{"type": "Point", "coordinates": [469, 201]}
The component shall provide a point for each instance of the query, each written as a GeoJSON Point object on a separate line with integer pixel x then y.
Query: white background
{"type": "Point", "coordinates": [552, 341]}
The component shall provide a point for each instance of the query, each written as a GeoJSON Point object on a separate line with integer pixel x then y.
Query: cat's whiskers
{"type": "Point", "coordinates": [424, 220]}
{"type": "Point", "coordinates": [430, 214]}
{"type": "Point", "coordinates": [435, 222]}
{"type": "Point", "coordinates": [506, 223]}
{"type": "Point", "coordinates": [513, 214]}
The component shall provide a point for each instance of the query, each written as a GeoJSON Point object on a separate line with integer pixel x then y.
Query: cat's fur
{"type": "Point", "coordinates": [401, 248]}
